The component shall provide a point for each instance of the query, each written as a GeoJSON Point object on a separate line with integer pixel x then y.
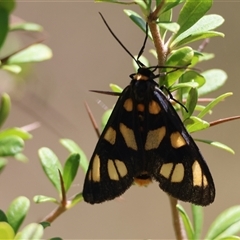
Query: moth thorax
{"type": "Point", "coordinates": [140, 90]}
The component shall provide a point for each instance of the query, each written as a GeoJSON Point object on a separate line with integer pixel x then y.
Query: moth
{"type": "Point", "coordinates": [144, 140]}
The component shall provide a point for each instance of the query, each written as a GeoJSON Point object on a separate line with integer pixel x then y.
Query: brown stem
{"type": "Point", "coordinates": [223, 120]}
{"type": "Point", "coordinates": [162, 55]}
{"type": "Point", "coordinates": [54, 214]}
{"type": "Point", "coordinates": [177, 221]}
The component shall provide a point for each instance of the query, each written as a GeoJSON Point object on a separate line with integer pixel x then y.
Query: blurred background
{"type": "Point", "coordinates": [85, 56]}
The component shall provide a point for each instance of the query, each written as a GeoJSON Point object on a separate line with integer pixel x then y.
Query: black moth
{"type": "Point", "coordinates": [144, 139]}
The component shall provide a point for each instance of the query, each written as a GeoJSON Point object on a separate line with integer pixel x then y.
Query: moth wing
{"type": "Point", "coordinates": [111, 168]}
{"type": "Point", "coordinates": [174, 158]}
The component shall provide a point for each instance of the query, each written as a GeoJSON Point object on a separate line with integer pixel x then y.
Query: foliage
{"type": "Point", "coordinates": [186, 84]}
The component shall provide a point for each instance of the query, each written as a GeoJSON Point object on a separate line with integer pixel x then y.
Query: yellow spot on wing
{"type": "Point", "coordinates": [140, 107]}
{"type": "Point", "coordinates": [110, 135]}
{"type": "Point", "coordinates": [128, 136]}
{"type": "Point", "coordinates": [96, 169]}
{"type": "Point", "coordinates": [205, 182]}
{"type": "Point", "coordinates": [121, 167]}
{"type": "Point", "coordinates": [112, 172]}
{"type": "Point", "coordinates": [166, 169]}
{"type": "Point", "coordinates": [197, 174]}
{"type": "Point", "coordinates": [178, 173]}
{"type": "Point", "coordinates": [90, 175]}
{"type": "Point", "coordinates": [177, 140]}
{"type": "Point", "coordinates": [154, 107]}
{"type": "Point", "coordinates": [154, 138]}
{"type": "Point", "coordinates": [128, 105]}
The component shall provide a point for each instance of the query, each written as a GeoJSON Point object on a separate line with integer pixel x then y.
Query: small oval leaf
{"type": "Point", "coordinates": [70, 170]}
{"type": "Point", "coordinates": [11, 145]}
{"type": "Point", "coordinates": [42, 199]}
{"type": "Point", "coordinates": [4, 108]}
{"type": "Point", "coordinates": [72, 147]}
{"type": "Point", "coordinates": [35, 53]}
{"type": "Point", "coordinates": [6, 231]}
{"type": "Point", "coordinates": [51, 165]}
{"type": "Point", "coordinates": [17, 212]}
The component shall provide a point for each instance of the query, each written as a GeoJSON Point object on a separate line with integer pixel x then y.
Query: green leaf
{"type": "Point", "coordinates": [213, 103]}
{"type": "Point", "coordinates": [115, 88]}
{"type": "Point", "coordinates": [169, 4]}
{"type": "Point", "coordinates": [26, 26]}
{"type": "Point", "coordinates": [21, 157]}
{"type": "Point", "coordinates": [194, 124]}
{"type": "Point", "coordinates": [191, 12]}
{"type": "Point", "coordinates": [164, 17]}
{"type": "Point", "coordinates": [204, 25]}
{"type": "Point", "coordinates": [4, 107]}
{"type": "Point", "coordinates": [17, 212]}
{"type": "Point", "coordinates": [180, 57]}
{"type": "Point", "coordinates": [72, 147]}
{"type": "Point", "coordinates": [8, 5]}
{"type": "Point", "coordinates": [56, 238]}
{"type": "Point", "coordinates": [105, 118]}
{"type": "Point", "coordinates": [10, 146]}
{"type": "Point", "coordinates": [230, 238]}
{"type": "Point", "coordinates": [70, 170]}
{"type": "Point", "coordinates": [192, 76]}
{"type": "Point", "coordinates": [170, 26]}
{"type": "Point", "coordinates": [51, 165]}
{"type": "Point", "coordinates": [3, 217]}
{"type": "Point", "coordinates": [191, 102]}
{"type": "Point", "coordinates": [197, 213]}
{"type": "Point", "coordinates": [4, 15]}
{"type": "Point", "coordinates": [217, 144]}
{"type": "Point", "coordinates": [186, 221]}
{"type": "Point", "coordinates": [15, 132]}
{"type": "Point", "coordinates": [196, 37]}
{"type": "Point", "coordinates": [143, 60]}
{"type": "Point", "coordinates": [215, 78]}
{"type": "Point", "coordinates": [6, 231]}
{"type": "Point", "coordinates": [42, 199]}
{"type": "Point", "coordinates": [227, 223]}
{"type": "Point", "coordinates": [76, 199]}
{"type": "Point", "coordinates": [45, 224]}
{"type": "Point", "coordinates": [187, 85]}
{"type": "Point", "coordinates": [137, 19]}
{"type": "Point", "coordinates": [35, 53]}
{"type": "Point", "coordinates": [12, 68]}
{"type": "Point", "coordinates": [3, 164]}
{"type": "Point", "coordinates": [32, 231]}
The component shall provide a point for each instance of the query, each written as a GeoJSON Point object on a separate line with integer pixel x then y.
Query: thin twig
{"type": "Point", "coordinates": [223, 120]}
{"type": "Point", "coordinates": [93, 121]}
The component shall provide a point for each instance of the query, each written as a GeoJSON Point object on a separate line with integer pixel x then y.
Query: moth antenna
{"type": "Point", "coordinates": [143, 46]}
{"type": "Point", "coordinates": [117, 39]}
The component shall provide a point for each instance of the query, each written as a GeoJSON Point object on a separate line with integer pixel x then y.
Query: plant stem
{"type": "Point", "coordinates": [54, 214]}
{"type": "Point", "coordinates": [177, 221]}
{"type": "Point", "coordinates": [162, 55]}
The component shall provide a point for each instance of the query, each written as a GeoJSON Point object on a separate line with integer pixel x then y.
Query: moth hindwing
{"type": "Point", "coordinates": [144, 140]}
